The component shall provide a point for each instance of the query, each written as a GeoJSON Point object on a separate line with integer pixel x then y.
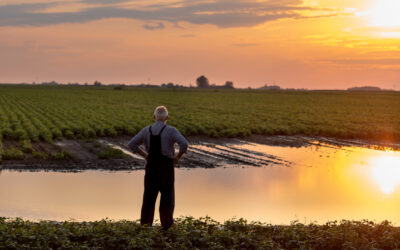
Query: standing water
{"type": "Point", "coordinates": [314, 183]}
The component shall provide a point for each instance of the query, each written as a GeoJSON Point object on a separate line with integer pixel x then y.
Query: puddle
{"type": "Point", "coordinates": [320, 182]}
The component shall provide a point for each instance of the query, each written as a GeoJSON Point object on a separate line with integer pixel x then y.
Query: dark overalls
{"type": "Point", "coordinates": [159, 177]}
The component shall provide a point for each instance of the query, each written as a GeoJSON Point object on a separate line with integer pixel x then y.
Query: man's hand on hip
{"type": "Point", "coordinates": [143, 153]}
{"type": "Point", "coordinates": [176, 159]}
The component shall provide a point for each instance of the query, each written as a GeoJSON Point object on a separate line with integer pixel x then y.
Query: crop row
{"type": "Point", "coordinates": [40, 113]}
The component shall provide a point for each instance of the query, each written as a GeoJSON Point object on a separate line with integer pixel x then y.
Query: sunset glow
{"type": "Point", "coordinates": [386, 173]}
{"type": "Point", "coordinates": [325, 44]}
{"type": "Point", "coordinates": [385, 13]}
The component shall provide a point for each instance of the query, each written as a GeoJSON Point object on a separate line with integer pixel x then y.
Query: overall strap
{"type": "Point", "coordinates": [151, 133]}
{"type": "Point", "coordinates": [162, 129]}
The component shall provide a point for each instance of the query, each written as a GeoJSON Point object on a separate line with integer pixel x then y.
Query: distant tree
{"type": "Point", "coordinates": [50, 83]}
{"type": "Point", "coordinates": [170, 85]}
{"type": "Point", "coordinates": [229, 85]}
{"type": "Point", "coordinates": [271, 87]}
{"type": "Point", "coordinates": [365, 88]}
{"type": "Point", "coordinates": [202, 82]}
{"type": "Point", "coordinates": [97, 83]}
{"type": "Point", "coordinates": [119, 87]}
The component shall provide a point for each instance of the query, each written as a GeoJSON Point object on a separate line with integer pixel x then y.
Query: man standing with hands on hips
{"type": "Point", "coordinates": [159, 140]}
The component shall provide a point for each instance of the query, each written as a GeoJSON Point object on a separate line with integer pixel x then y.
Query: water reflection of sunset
{"type": "Point", "coordinates": [325, 183]}
{"type": "Point", "coordinates": [386, 172]}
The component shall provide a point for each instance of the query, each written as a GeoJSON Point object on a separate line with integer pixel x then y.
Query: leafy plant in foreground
{"type": "Point", "coordinates": [202, 233]}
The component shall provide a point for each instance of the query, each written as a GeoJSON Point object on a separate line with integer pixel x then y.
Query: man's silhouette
{"type": "Point", "coordinates": [159, 140]}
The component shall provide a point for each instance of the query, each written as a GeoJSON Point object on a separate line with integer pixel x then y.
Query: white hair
{"type": "Point", "coordinates": [161, 113]}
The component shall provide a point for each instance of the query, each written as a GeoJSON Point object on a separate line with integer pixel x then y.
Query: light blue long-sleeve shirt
{"type": "Point", "coordinates": [169, 137]}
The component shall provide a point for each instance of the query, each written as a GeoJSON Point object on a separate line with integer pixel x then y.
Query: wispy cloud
{"type": "Point", "coordinates": [381, 63]}
{"type": "Point", "coordinates": [368, 61]}
{"type": "Point", "coordinates": [153, 26]}
{"type": "Point", "coordinates": [222, 13]}
{"type": "Point", "coordinates": [103, 1]}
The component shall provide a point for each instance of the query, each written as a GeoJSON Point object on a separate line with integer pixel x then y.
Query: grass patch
{"type": "Point", "coordinates": [40, 155]}
{"type": "Point", "coordinates": [26, 146]}
{"type": "Point", "coordinates": [13, 153]}
{"type": "Point", "coordinates": [63, 155]}
{"type": "Point", "coordinates": [111, 153]}
{"type": "Point", "coordinates": [203, 233]}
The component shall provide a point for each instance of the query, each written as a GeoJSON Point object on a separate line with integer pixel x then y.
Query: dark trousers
{"type": "Point", "coordinates": [159, 177]}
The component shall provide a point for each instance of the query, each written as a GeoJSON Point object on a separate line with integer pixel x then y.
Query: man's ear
{"type": "Point", "coordinates": [154, 116]}
{"type": "Point", "coordinates": [166, 118]}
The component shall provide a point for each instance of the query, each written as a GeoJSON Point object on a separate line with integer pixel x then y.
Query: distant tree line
{"type": "Point", "coordinates": [171, 85]}
{"type": "Point", "coordinates": [203, 83]}
{"type": "Point", "coordinates": [364, 88]}
{"type": "Point", "coordinates": [277, 87]}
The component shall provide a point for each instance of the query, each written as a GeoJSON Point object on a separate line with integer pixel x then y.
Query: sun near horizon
{"type": "Point", "coordinates": [326, 44]}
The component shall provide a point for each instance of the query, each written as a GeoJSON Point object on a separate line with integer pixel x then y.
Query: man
{"type": "Point", "coordinates": [159, 140]}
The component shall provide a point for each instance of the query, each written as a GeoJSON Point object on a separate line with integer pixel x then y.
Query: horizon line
{"type": "Point", "coordinates": [191, 86]}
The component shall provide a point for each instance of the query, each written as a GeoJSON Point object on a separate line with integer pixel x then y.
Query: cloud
{"type": "Point", "coordinates": [379, 61]}
{"type": "Point", "coordinates": [221, 13]}
{"type": "Point", "coordinates": [153, 26]}
{"type": "Point", "coordinates": [103, 1]}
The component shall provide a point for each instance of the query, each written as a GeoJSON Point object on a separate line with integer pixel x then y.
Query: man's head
{"type": "Point", "coordinates": [161, 114]}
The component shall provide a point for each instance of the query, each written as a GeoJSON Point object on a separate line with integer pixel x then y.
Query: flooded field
{"type": "Point", "coordinates": [313, 181]}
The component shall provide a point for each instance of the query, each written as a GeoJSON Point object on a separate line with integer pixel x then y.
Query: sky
{"type": "Point", "coordinates": [313, 44]}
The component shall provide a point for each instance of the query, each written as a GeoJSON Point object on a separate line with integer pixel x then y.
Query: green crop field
{"type": "Point", "coordinates": [47, 113]}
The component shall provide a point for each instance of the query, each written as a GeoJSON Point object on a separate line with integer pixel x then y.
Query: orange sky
{"type": "Point", "coordinates": [325, 44]}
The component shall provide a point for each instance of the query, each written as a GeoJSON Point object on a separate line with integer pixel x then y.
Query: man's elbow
{"type": "Point", "coordinates": [184, 147]}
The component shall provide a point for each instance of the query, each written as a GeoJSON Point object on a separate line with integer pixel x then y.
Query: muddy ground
{"type": "Point", "coordinates": [203, 153]}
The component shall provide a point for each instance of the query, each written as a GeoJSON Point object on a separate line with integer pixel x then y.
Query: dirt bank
{"type": "Point", "coordinates": [204, 152]}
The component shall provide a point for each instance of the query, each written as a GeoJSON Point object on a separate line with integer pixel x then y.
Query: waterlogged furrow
{"type": "Point", "coordinates": [210, 155]}
{"type": "Point", "coordinates": [225, 157]}
{"type": "Point", "coordinates": [205, 153]}
{"type": "Point", "coordinates": [262, 157]}
{"type": "Point", "coordinates": [258, 160]}
{"type": "Point", "coordinates": [231, 157]}
{"type": "Point", "coordinates": [251, 152]}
